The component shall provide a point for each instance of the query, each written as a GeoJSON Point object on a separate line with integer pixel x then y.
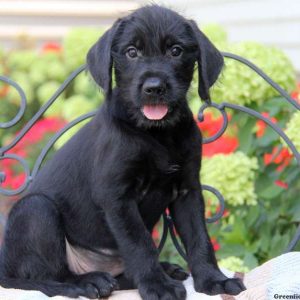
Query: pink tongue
{"type": "Point", "coordinates": [155, 112]}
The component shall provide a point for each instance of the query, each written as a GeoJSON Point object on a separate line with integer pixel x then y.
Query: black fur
{"type": "Point", "coordinates": [109, 185]}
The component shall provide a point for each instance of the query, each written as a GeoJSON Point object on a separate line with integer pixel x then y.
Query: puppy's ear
{"type": "Point", "coordinates": [210, 63]}
{"type": "Point", "coordinates": [99, 59]}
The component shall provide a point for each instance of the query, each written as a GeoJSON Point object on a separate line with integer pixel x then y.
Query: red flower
{"type": "Point", "coordinates": [226, 211]}
{"type": "Point", "coordinates": [51, 47]}
{"type": "Point", "coordinates": [155, 234]}
{"type": "Point", "coordinates": [8, 174]}
{"type": "Point", "coordinates": [4, 90]}
{"type": "Point", "coordinates": [282, 184]}
{"type": "Point", "coordinates": [24, 147]}
{"type": "Point", "coordinates": [281, 158]}
{"type": "Point", "coordinates": [17, 181]}
{"type": "Point", "coordinates": [208, 213]}
{"type": "Point", "coordinates": [215, 244]}
{"type": "Point", "coordinates": [38, 131]}
{"type": "Point", "coordinates": [296, 94]}
{"type": "Point", "coordinates": [223, 144]}
{"type": "Point", "coordinates": [12, 180]}
{"type": "Point", "coordinates": [210, 125]}
{"type": "Point", "coordinates": [261, 125]}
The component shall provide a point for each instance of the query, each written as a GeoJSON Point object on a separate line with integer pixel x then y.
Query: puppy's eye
{"type": "Point", "coordinates": [132, 52]}
{"type": "Point", "coordinates": [176, 51]}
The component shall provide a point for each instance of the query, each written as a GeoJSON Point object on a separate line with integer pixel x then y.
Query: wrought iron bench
{"type": "Point", "coordinates": [168, 224]}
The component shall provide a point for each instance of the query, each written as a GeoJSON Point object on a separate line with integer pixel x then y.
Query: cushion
{"type": "Point", "coordinates": [279, 276]}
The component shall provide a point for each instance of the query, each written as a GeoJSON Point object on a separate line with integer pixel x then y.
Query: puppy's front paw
{"type": "Point", "coordinates": [161, 287]}
{"type": "Point", "coordinates": [96, 284]}
{"type": "Point", "coordinates": [219, 284]}
{"type": "Point", "coordinates": [174, 271]}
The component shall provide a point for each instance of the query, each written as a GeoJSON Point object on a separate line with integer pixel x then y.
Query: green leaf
{"type": "Point", "coordinates": [262, 182]}
{"type": "Point", "coordinates": [245, 136]}
{"type": "Point", "coordinates": [294, 174]}
{"type": "Point", "coordinates": [268, 138]}
{"type": "Point", "coordinates": [274, 106]}
{"type": "Point", "coordinates": [278, 244]}
{"type": "Point", "coordinates": [265, 237]}
{"type": "Point", "coordinates": [252, 215]}
{"type": "Point", "coordinates": [271, 191]}
{"type": "Point", "coordinates": [237, 234]}
{"type": "Point", "coordinates": [228, 249]}
{"type": "Point", "coordinates": [295, 212]}
{"type": "Point", "coordinates": [250, 260]}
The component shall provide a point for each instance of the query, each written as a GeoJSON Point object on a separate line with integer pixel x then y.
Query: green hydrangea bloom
{"type": "Point", "coordinates": [21, 60]}
{"type": "Point", "coordinates": [233, 175]}
{"type": "Point", "coordinates": [48, 67]}
{"type": "Point", "coordinates": [84, 85]}
{"type": "Point", "coordinates": [46, 91]}
{"type": "Point", "coordinates": [76, 45]}
{"type": "Point", "coordinates": [24, 82]}
{"type": "Point", "coordinates": [292, 129]}
{"type": "Point", "coordinates": [72, 108]}
{"type": "Point", "coordinates": [216, 34]}
{"type": "Point", "coordinates": [234, 264]}
{"type": "Point", "coordinates": [55, 110]}
{"type": "Point", "coordinates": [57, 71]}
{"type": "Point", "coordinates": [76, 106]}
{"type": "Point", "coordinates": [68, 134]}
{"type": "Point", "coordinates": [238, 84]}
{"type": "Point", "coordinates": [36, 75]}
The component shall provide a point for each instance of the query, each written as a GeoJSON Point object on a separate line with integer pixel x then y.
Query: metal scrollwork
{"type": "Point", "coordinates": [220, 108]}
{"type": "Point", "coordinates": [26, 128]}
{"type": "Point", "coordinates": [168, 226]}
{"type": "Point", "coordinates": [2, 177]}
{"type": "Point", "coordinates": [221, 200]}
{"type": "Point", "coordinates": [27, 180]}
{"type": "Point", "coordinates": [23, 104]}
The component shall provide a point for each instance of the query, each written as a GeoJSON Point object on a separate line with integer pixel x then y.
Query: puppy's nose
{"type": "Point", "coordinates": [154, 86]}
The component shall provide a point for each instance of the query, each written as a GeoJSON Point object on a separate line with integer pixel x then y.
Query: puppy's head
{"type": "Point", "coordinates": [153, 52]}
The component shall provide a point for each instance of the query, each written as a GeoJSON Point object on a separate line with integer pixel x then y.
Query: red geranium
{"type": "Point", "coordinates": [4, 90]}
{"type": "Point", "coordinates": [155, 234]}
{"type": "Point", "coordinates": [215, 244]}
{"type": "Point", "coordinates": [281, 184]}
{"type": "Point", "coordinates": [51, 47]}
{"type": "Point", "coordinates": [210, 125]}
{"type": "Point", "coordinates": [224, 144]}
{"type": "Point", "coordinates": [37, 133]}
{"type": "Point", "coordinates": [25, 147]}
{"type": "Point", "coordinates": [261, 125]}
{"type": "Point", "coordinates": [296, 94]}
{"type": "Point", "coordinates": [280, 157]}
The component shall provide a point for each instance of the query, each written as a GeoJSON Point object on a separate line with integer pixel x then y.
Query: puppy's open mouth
{"type": "Point", "coordinates": [155, 111]}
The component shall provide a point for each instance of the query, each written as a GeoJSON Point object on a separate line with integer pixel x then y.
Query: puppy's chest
{"type": "Point", "coordinates": [159, 175]}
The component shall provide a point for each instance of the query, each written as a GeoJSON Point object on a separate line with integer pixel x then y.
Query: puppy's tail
{"type": "Point", "coordinates": [48, 287]}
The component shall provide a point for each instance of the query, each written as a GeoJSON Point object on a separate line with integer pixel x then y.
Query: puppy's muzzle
{"type": "Point", "coordinates": [154, 90]}
{"type": "Point", "coordinates": [154, 87]}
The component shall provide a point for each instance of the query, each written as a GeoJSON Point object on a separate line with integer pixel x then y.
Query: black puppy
{"type": "Point", "coordinates": [91, 209]}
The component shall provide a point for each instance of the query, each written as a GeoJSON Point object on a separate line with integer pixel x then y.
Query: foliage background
{"type": "Point", "coordinates": [249, 164]}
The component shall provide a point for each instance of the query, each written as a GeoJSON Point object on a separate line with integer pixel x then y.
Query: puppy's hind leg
{"type": "Point", "coordinates": [33, 255]}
